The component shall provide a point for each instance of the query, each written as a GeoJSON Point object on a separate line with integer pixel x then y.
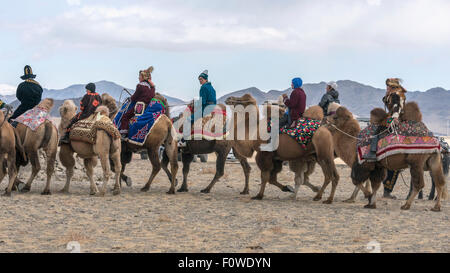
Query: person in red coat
{"type": "Point", "coordinates": [296, 103]}
{"type": "Point", "coordinates": [145, 91]}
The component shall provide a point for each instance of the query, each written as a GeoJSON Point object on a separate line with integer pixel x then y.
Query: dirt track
{"type": "Point", "coordinates": [222, 221]}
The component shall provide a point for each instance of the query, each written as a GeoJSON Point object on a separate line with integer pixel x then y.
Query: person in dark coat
{"type": "Point", "coordinates": [296, 103]}
{"type": "Point", "coordinates": [145, 91]}
{"type": "Point", "coordinates": [29, 93]}
{"type": "Point", "coordinates": [331, 96]}
{"type": "Point", "coordinates": [88, 105]}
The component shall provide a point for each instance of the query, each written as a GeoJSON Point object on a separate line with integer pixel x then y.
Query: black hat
{"type": "Point", "coordinates": [28, 73]}
{"type": "Point", "coordinates": [91, 87]}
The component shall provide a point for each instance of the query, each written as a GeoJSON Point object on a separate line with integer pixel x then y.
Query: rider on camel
{"type": "Point", "coordinates": [296, 103]}
{"type": "Point", "coordinates": [88, 105]}
{"type": "Point", "coordinates": [29, 93]}
{"type": "Point", "coordinates": [331, 95]}
{"type": "Point", "coordinates": [145, 91]}
{"type": "Point", "coordinates": [393, 86]}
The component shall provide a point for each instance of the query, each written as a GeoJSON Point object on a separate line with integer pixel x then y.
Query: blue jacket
{"type": "Point", "coordinates": [207, 95]}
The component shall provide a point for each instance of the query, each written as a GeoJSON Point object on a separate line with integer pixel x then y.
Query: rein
{"type": "Point", "coordinates": [341, 131]}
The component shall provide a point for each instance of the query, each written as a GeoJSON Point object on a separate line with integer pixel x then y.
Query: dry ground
{"type": "Point", "coordinates": [222, 221]}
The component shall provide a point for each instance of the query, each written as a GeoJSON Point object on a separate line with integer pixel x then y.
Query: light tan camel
{"type": "Point", "coordinates": [105, 147]}
{"type": "Point", "coordinates": [162, 133]}
{"type": "Point", "coordinates": [321, 149]}
{"type": "Point", "coordinates": [376, 171]}
{"type": "Point", "coordinates": [9, 140]}
{"type": "Point", "coordinates": [45, 137]}
{"type": "Point", "coordinates": [67, 111]}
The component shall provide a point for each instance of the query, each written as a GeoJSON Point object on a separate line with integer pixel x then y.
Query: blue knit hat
{"type": "Point", "coordinates": [204, 75]}
{"type": "Point", "coordinates": [298, 82]}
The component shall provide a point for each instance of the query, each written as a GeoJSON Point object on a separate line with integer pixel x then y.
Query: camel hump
{"type": "Point", "coordinates": [47, 104]}
{"type": "Point", "coordinates": [411, 111]}
{"type": "Point", "coordinates": [314, 112]}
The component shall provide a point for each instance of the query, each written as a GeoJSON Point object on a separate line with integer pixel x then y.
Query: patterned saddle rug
{"type": "Point", "coordinates": [302, 132]}
{"type": "Point", "coordinates": [86, 130]}
{"type": "Point", "coordinates": [210, 127]}
{"type": "Point", "coordinates": [141, 126]}
{"type": "Point", "coordinates": [34, 118]}
{"type": "Point", "coordinates": [411, 137]}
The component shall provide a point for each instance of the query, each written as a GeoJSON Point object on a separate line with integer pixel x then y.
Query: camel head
{"type": "Point", "coordinates": [103, 110]}
{"type": "Point", "coordinates": [314, 112]}
{"type": "Point", "coordinates": [110, 102]}
{"type": "Point", "coordinates": [245, 100]}
{"type": "Point", "coordinates": [68, 110]}
{"type": "Point", "coordinates": [344, 120]}
{"type": "Point", "coordinates": [47, 104]}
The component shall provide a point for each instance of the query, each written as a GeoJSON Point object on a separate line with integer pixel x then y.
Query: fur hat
{"type": "Point", "coordinates": [395, 83]}
{"type": "Point", "coordinates": [27, 73]}
{"type": "Point", "coordinates": [147, 74]}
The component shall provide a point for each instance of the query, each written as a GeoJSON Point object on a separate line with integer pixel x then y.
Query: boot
{"type": "Point", "coordinates": [64, 139]}
{"type": "Point", "coordinates": [372, 155]}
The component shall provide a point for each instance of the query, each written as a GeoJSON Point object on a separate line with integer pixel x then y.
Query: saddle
{"type": "Point", "coordinates": [86, 130]}
{"type": "Point", "coordinates": [210, 127]}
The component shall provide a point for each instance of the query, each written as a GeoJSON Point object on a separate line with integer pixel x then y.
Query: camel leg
{"type": "Point", "coordinates": [115, 157]}
{"type": "Point", "coordinates": [156, 167]}
{"type": "Point", "coordinates": [89, 165]}
{"type": "Point", "coordinates": [265, 164]}
{"type": "Point", "coordinates": [299, 180]}
{"type": "Point", "coordinates": [220, 169]}
{"type": "Point", "coordinates": [51, 158]}
{"type": "Point", "coordinates": [246, 168]}
{"type": "Point", "coordinates": [277, 168]}
{"type": "Point", "coordinates": [171, 154]}
{"type": "Point", "coordinates": [376, 178]}
{"type": "Point", "coordinates": [68, 161]}
{"type": "Point", "coordinates": [36, 167]}
{"type": "Point", "coordinates": [104, 161]}
{"type": "Point", "coordinates": [187, 159]}
{"type": "Point", "coordinates": [437, 174]}
{"type": "Point", "coordinates": [417, 182]}
{"type": "Point", "coordinates": [12, 172]}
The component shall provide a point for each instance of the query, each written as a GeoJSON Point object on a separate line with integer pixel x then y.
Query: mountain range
{"type": "Point", "coordinates": [360, 99]}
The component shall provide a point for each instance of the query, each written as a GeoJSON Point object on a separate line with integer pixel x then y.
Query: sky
{"type": "Point", "coordinates": [251, 43]}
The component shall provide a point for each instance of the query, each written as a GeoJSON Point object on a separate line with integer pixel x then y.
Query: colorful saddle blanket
{"type": "Point", "coordinates": [213, 126]}
{"type": "Point", "coordinates": [141, 126]}
{"type": "Point", "coordinates": [86, 129]}
{"type": "Point", "coordinates": [33, 118]}
{"type": "Point", "coordinates": [303, 130]}
{"type": "Point", "coordinates": [411, 137]}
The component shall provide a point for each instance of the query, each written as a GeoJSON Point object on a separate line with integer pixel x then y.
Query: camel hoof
{"type": "Point", "coordinates": [171, 191]}
{"type": "Point", "coordinates": [258, 197]}
{"type": "Point", "coordinates": [25, 189]}
{"type": "Point", "coordinates": [182, 190]}
{"type": "Point", "coordinates": [317, 198]}
{"type": "Point", "coordinates": [205, 191]}
{"type": "Point", "coordinates": [116, 192]}
{"type": "Point", "coordinates": [405, 207]}
{"type": "Point", "coordinates": [288, 188]}
{"type": "Point", "coordinates": [46, 193]}
{"type": "Point", "coordinates": [436, 209]}
{"type": "Point", "coordinates": [129, 182]}
{"type": "Point", "coordinates": [99, 194]}
{"type": "Point", "coordinates": [245, 192]}
{"type": "Point", "coordinates": [64, 191]}
{"type": "Point", "coordinates": [328, 202]}
{"type": "Point", "coordinates": [145, 189]}
{"type": "Point", "coordinates": [349, 201]}
{"type": "Point", "coordinates": [369, 206]}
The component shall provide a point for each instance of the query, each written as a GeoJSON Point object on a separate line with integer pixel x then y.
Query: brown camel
{"type": "Point", "coordinates": [67, 111]}
{"type": "Point", "coordinates": [105, 147]}
{"type": "Point", "coordinates": [248, 145]}
{"type": "Point", "coordinates": [320, 150]}
{"type": "Point", "coordinates": [162, 133]}
{"type": "Point", "coordinates": [376, 171]}
{"type": "Point", "coordinates": [9, 142]}
{"type": "Point", "coordinates": [45, 137]}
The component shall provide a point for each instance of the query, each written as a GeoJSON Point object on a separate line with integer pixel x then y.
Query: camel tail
{"type": "Point", "coordinates": [446, 163]}
{"type": "Point", "coordinates": [47, 135]}
{"type": "Point", "coordinates": [323, 144]}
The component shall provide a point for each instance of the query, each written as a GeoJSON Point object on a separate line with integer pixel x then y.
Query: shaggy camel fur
{"type": "Point", "coordinates": [270, 163]}
{"type": "Point", "coordinates": [162, 133]}
{"type": "Point", "coordinates": [67, 111]}
{"type": "Point", "coordinates": [105, 147]}
{"type": "Point", "coordinates": [9, 140]}
{"type": "Point", "coordinates": [46, 138]}
{"type": "Point", "coordinates": [376, 171]}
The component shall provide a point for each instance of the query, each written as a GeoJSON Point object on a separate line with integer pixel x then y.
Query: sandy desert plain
{"type": "Point", "coordinates": [222, 221]}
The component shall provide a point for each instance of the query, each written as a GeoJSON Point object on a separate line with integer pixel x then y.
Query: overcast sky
{"type": "Point", "coordinates": [242, 43]}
